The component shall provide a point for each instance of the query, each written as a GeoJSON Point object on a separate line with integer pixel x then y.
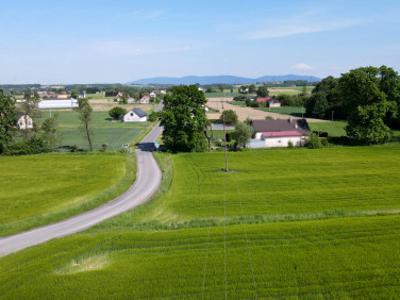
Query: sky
{"type": "Point", "coordinates": [102, 41]}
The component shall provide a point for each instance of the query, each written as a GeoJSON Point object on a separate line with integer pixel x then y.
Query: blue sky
{"type": "Point", "coordinates": [91, 41]}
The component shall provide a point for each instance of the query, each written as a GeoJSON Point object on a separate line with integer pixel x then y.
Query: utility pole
{"type": "Point", "coordinates": [333, 113]}
{"type": "Point", "coordinates": [226, 142]}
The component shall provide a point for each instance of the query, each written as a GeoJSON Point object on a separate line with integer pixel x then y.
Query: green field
{"type": "Point", "coordinates": [334, 129]}
{"type": "Point", "coordinates": [293, 223]}
{"type": "Point", "coordinates": [41, 189]}
{"type": "Point", "coordinates": [112, 133]}
{"type": "Point", "coordinates": [276, 91]}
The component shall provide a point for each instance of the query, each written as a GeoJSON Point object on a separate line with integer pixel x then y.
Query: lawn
{"type": "Point", "coordinates": [293, 223]}
{"type": "Point", "coordinates": [112, 133]}
{"type": "Point", "coordinates": [41, 189]}
{"type": "Point", "coordinates": [334, 129]}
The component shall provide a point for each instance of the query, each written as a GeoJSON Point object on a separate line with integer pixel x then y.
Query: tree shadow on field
{"type": "Point", "coordinates": [147, 147]}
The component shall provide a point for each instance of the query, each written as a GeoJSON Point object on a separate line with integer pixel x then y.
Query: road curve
{"type": "Point", "coordinates": [148, 179]}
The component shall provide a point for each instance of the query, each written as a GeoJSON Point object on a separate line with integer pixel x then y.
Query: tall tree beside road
{"type": "Point", "coordinates": [7, 120]}
{"type": "Point", "coordinates": [184, 120]}
{"type": "Point", "coordinates": [85, 116]}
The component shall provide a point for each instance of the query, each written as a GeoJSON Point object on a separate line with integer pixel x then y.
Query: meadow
{"type": "Point", "coordinates": [293, 223]}
{"type": "Point", "coordinates": [286, 110]}
{"type": "Point", "coordinates": [40, 189]}
{"type": "Point", "coordinates": [114, 134]}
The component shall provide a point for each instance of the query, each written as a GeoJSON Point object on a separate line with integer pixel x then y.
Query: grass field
{"type": "Point", "coordinates": [334, 129]}
{"type": "Point", "coordinates": [284, 224]}
{"type": "Point", "coordinates": [112, 133]}
{"type": "Point", "coordinates": [40, 189]}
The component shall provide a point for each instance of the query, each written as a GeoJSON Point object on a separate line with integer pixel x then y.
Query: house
{"type": "Point", "coordinates": [131, 100]}
{"type": "Point", "coordinates": [153, 95]}
{"type": "Point", "coordinates": [145, 100]}
{"type": "Point", "coordinates": [24, 121]}
{"type": "Point", "coordinates": [268, 101]}
{"type": "Point", "coordinates": [279, 133]}
{"type": "Point", "coordinates": [135, 115]}
{"type": "Point", "coordinates": [163, 92]}
{"type": "Point", "coordinates": [82, 95]}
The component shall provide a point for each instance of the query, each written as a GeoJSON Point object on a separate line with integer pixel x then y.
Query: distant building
{"type": "Point", "coordinates": [82, 95]}
{"type": "Point", "coordinates": [279, 133]}
{"type": "Point", "coordinates": [58, 104]}
{"type": "Point", "coordinates": [145, 100]}
{"type": "Point", "coordinates": [153, 95]}
{"type": "Point", "coordinates": [24, 121]}
{"type": "Point", "coordinates": [62, 96]}
{"type": "Point", "coordinates": [268, 101]}
{"type": "Point", "coordinates": [131, 100]}
{"type": "Point", "coordinates": [163, 92]}
{"type": "Point", "coordinates": [135, 115]}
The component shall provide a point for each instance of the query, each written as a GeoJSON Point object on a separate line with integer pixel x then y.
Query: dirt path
{"type": "Point", "coordinates": [246, 112]}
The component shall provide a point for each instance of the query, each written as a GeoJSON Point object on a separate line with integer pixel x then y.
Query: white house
{"type": "Point", "coordinates": [153, 95]}
{"type": "Point", "coordinates": [279, 133]}
{"type": "Point", "coordinates": [145, 100]}
{"type": "Point", "coordinates": [24, 121]}
{"type": "Point", "coordinates": [135, 115]}
{"type": "Point", "coordinates": [131, 100]}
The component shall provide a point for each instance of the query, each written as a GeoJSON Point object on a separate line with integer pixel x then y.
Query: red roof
{"type": "Point", "coordinates": [292, 133]}
{"type": "Point", "coordinates": [263, 99]}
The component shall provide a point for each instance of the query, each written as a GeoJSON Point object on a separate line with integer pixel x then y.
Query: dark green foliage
{"type": "Point", "coordinates": [229, 117]}
{"type": "Point", "coordinates": [242, 134]}
{"type": "Point", "coordinates": [117, 113]}
{"type": "Point", "coordinates": [263, 91]}
{"type": "Point", "coordinates": [367, 126]}
{"type": "Point", "coordinates": [184, 120]}
{"type": "Point", "coordinates": [34, 145]}
{"type": "Point", "coordinates": [7, 120]}
{"type": "Point", "coordinates": [154, 116]}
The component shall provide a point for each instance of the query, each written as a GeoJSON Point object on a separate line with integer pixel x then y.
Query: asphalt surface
{"type": "Point", "coordinates": [148, 180]}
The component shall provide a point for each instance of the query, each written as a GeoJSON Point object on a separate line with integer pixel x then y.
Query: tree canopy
{"type": "Point", "coordinates": [184, 120]}
{"type": "Point", "coordinates": [7, 119]}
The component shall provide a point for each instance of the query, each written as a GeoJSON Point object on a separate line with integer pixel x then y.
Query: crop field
{"type": "Point", "coordinates": [112, 133]}
{"type": "Point", "coordinates": [40, 189]}
{"type": "Point", "coordinates": [276, 91]}
{"type": "Point", "coordinates": [286, 110]}
{"type": "Point", "coordinates": [284, 223]}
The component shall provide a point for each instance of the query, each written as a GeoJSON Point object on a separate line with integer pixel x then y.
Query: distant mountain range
{"type": "Point", "coordinates": [222, 79]}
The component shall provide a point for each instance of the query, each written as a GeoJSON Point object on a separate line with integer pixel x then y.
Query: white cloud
{"type": "Point", "coordinates": [302, 67]}
{"type": "Point", "coordinates": [297, 26]}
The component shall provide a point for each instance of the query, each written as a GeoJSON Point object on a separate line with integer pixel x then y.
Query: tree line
{"type": "Point", "coordinates": [368, 98]}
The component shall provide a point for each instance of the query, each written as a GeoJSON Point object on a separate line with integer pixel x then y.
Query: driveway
{"type": "Point", "coordinates": [148, 180]}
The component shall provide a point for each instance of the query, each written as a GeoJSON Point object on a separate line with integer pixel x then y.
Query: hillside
{"type": "Point", "coordinates": [222, 79]}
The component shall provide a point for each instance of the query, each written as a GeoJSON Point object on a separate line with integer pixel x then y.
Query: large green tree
{"type": "Point", "coordinates": [367, 104]}
{"type": "Point", "coordinates": [7, 120]}
{"type": "Point", "coordinates": [184, 120]}
{"type": "Point", "coordinates": [263, 91]}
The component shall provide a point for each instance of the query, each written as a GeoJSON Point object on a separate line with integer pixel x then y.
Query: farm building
{"type": "Point", "coordinates": [279, 133]}
{"type": "Point", "coordinates": [135, 115]}
{"type": "Point", "coordinates": [58, 104]}
{"type": "Point", "coordinates": [268, 101]}
{"type": "Point", "coordinates": [145, 100]}
{"type": "Point", "coordinates": [24, 121]}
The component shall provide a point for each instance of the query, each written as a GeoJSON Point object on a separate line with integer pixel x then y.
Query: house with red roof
{"type": "Point", "coordinates": [279, 133]}
{"type": "Point", "coordinates": [268, 101]}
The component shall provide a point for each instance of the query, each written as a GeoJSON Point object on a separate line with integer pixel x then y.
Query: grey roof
{"type": "Point", "coordinates": [139, 112]}
{"type": "Point", "coordinates": [20, 114]}
{"type": "Point", "coordinates": [280, 125]}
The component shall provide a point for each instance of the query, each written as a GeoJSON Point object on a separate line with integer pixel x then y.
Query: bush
{"type": "Point", "coordinates": [154, 116]}
{"type": "Point", "coordinates": [314, 142]}
{"type": "Point", "coordinates": [117, 113]}
{"type": "Point", "coordinates": [34, 145]}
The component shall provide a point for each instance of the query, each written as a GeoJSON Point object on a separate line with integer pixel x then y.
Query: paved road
{"type": "Point", "coordinates": [148, 180]}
